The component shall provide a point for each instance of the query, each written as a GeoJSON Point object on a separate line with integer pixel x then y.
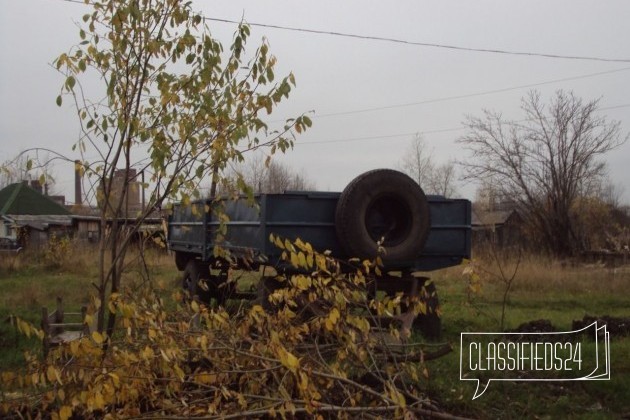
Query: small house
{"type": "Point", "coordinates": [29, 218]}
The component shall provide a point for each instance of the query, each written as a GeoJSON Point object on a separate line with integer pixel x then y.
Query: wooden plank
{"type": "Point", "coordinates": [66, 337]}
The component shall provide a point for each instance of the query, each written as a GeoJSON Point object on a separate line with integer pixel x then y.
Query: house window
{"type": "Point", "coordinates": [92, 235]}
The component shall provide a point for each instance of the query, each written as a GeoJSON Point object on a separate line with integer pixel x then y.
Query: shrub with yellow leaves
{"type": "Point", "coordinates": [319, 352]}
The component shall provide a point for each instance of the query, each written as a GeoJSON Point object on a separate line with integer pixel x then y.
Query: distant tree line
{"type": "Point", "coordinates": [268, 177]}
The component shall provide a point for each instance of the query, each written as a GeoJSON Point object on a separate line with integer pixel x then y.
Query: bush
{"type": "Point", "coordinates": [58, 251]}
{"type": "Point", "coordinates": [317, 354]}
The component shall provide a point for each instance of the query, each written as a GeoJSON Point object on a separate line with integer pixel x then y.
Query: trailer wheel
{"type": "Point", "coordinates": [194, 274]}
{"type": "Point", "coordinates": [430, 323]}
{"type": "Point", "coordinates": [220, 287]}
{"type": "Point", "coordinates": [181, 260]}
{"type": "Point", "coordinates": [387, 205]}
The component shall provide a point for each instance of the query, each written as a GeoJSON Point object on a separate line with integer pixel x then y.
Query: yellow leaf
{"type": "Point", "coordinates": [295, 261]}
{"type": "Point", "coordinates": [195, 306]}
{"type": "Point", "coordinates": [397, 397]}
{"type": "Point", "coordinates": [8, 377]}
{"type": "Point", "coordinates": [65, 413]}
{"type": "Point", "coordinates": [179, 372]}
{"type": "Point", "coordinates": [302, 259]}
{"type": "Point", "coordinates": [147, 353]}
{"type": "Point", "coordinates": [321, 263]}
{"type": "Point", "coordinates": [303, 385]}
{"type": "Point", "coordinates": [50, 374]}
{"type": "Point", "coordinates": [97, 337]}
{"type": "Point", "coordinates": [302, 282]}
{"type": "Point", "coordinates": [206, 378]}
{"type": "Point", "coordinates": [115, 379]}
{"type": "Point", "coordinates": [288, 360]}
{"type": "Point", "coordinates": [329, 325]}
{"type": "Point", "coordinates": [98, 401]}
{"type": "Point", "coordinates": [334, 315]}
{"type": "Point", "coordinates": [24, 327]}
{"type": "Point", "coordinates": [292, 362]}
{"type": "Point", "coordinates": [204, 342]}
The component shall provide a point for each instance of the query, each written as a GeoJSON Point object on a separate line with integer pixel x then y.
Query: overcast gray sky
{"type": "Point", "coordinates": [369, 97]}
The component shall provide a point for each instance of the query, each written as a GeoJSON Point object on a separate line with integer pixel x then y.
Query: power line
{"type": "Point", "coordinates": [470, 95]}
{"type": "Point", "coordinates": [423, 44]}
{"type": "Point", "coordinates": [496, 51]}
{"type": "Point", "coordinates": [431, 45]}
{"type": "Point", "coordinates": [383, 137]}
{"type": "Point", "coordinates": [401, 41]}
{"type": "Point", "coordinates": [444, 130]}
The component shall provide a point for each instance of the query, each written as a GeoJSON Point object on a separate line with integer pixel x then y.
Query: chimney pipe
{"type": "Point", "coordinates": [36, 185]}
{"type": "Point", "coordinates": [77, 183]}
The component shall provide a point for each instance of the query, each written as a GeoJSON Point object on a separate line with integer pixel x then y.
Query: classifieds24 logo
{"type": "Point", "coordinates": [580, 355]}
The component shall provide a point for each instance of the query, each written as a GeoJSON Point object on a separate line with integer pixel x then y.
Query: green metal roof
{"type": "Point", "coordinates": [19, 198]}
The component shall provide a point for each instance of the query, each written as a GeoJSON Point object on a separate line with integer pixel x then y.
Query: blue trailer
{"type": "Point", "coordinates": [419, 233]}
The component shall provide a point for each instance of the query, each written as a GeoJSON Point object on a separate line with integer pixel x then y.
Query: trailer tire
{"type": "Point", "coordinates": [429, 324]}
{"type": "Point", "coordinates": [383, 203]}
{"type": "Point", "coordinates": [221, 288]}
{"type": "Point", "coordinates": [195, 272]}
{"type": "Point", "coordinates": [181, 260]}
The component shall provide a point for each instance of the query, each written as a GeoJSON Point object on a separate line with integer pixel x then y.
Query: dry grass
{"type": "Point", "coordinates": [536, 274]}
{"type": "Point", "coordinates": [31, 280]}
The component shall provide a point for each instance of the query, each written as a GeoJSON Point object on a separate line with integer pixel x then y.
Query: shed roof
{"type": "Point", "coordinates": [41, 222]}
{"type": "Point", "coordinates": [490, 218]}
{"type": "Point", "coordinates": [20, 199]}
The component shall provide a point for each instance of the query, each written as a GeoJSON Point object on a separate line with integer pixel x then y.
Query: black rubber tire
{"type": "Point", "coordinates": [383, 203]}
{"type": "Point", "coordinates": [195, 272]}
{"type": "Point", "coordinates": [181, 260]}
{"type": "Point", "coordinates": [429, 324]}
{"type": "Point", "coordinates": [220, 288]}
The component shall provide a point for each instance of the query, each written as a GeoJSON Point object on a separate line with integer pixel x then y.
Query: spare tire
{"type": "Point", "coordinates": [384, 206]}
{"type": "Point", "coordinates": [195, 273]}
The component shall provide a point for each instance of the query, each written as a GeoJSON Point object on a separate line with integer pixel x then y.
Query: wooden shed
{"type": "Point", "coordinates": [501, 227]}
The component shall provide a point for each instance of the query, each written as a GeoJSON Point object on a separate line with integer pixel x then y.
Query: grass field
{"type": "Point", "coordinates": [29, 283]}
{"type": "Point", "coordinates": [541, 290]}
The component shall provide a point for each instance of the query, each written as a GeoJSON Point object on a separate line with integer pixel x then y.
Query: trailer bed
{"type": "Point", "coordinates": [309, 216]}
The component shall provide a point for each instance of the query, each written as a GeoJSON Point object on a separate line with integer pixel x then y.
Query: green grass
{"type": "Point", "coordinates": [29, 284]}
{"type": "Point", "coordinates": [560, 296]}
